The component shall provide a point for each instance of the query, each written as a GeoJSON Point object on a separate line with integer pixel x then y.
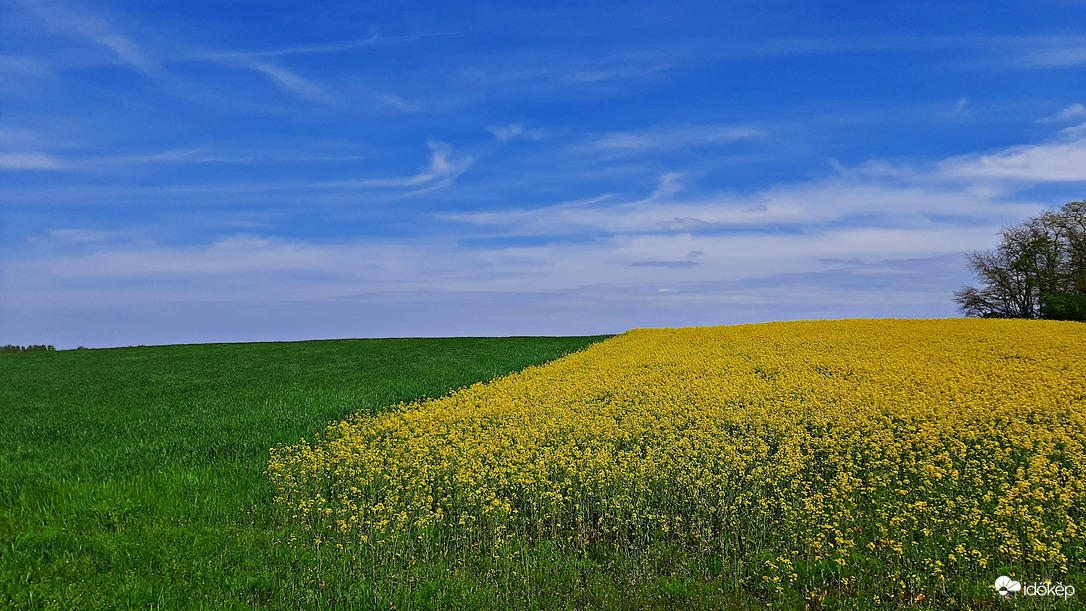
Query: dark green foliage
{"type": "Point", "coordinates": [1064, 307]}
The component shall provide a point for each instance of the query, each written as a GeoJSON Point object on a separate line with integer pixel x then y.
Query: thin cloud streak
{"type": "Point", "coordinates": [516, 131]}
{"type": "Point", "coordinates": [668, 137]}
{"type": "Point", "coordinates": [17, 65]}
{"type": "Point", "coordinates": [94, 28]}
{"type": "Point", "coordinates": [293, 84]}
{"type": "Point", "coordinates": [1025, 50]}
{"type": "Point", "coordinates": [97, 29]}
{"type": "Point", "coordinates": [1059, 57]}
{"type": "Point", "coordinates": [29, 161]}
{"type": "Point", "coordinates": [313, 49]}
{"type": "Point", "coordinates": [442, 170]}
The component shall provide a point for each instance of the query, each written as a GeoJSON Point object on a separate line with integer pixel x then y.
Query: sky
{"type": "Point", "coordinates": [230, 171]}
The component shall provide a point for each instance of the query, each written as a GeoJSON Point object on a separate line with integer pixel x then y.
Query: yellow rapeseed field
{"type": "Point", "coordinates": [913, 448]}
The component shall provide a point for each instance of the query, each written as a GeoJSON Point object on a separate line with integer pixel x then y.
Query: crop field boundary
{"type": "Point", "coordinates": [863, 464]}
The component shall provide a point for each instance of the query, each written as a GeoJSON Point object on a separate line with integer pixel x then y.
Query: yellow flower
{"type": "Point", "coordinates": [922, 442]}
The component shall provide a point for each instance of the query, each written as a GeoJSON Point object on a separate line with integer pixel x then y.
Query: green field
{"type": "Point", "coordinates": [132, 478]}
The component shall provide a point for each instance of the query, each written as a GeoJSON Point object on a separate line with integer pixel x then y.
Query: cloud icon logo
{"type": "Point", "coordinates": [1005, 586]}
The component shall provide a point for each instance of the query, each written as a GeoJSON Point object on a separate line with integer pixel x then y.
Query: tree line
{"type": "Point", "coordinates": [33, 348]}
{"type": "Point", "coordinates": [1037, 271]}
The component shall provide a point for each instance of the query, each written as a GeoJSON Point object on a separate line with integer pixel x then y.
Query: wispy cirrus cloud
{"type": "Point", "coordinates": [82, 163]}
{"type": "Point", "coordinates": [83, 236]}
{"type": "Point", "coordinates": [263, 61]}
{"type": "Point", "coordinates": [1058, 57]}
{"type": "Point", "coordinates": [178, 156]}
{"type": "Point", "coordinates": [614, 72]}
{"type": "Point", "coordinates": [569, 74]}
{"type": "Point", "coordinates": [338, 46]}
{"type": "Point", "coordinates": [18, 65]}
{"type": "Point", "coordinates": [76, 21]}
{"type": "Point", "coordinates": [293, 84]}
{"type": "Point", "coordinates": [516, 131]}
{"type": "Point", "coordinates": [965, 192]}
{"type": "Point", "coordinates": [674, 137]}
{"type": "Point", "coordinates": [29, 161]}
{"type": "Point", "coordinates": [598, 214]}
{"type": "Point", "coordinates": [979, 50]}
{"type": "Point", "coordinates": [444, 167]}
{"type": "Point", "coordinates": [237, 254]}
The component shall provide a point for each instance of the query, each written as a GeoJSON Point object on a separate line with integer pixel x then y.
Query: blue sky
{"type": "Point", "coordinates": [175, 172]}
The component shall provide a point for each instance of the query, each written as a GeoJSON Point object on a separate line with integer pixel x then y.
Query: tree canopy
{"type": "Point", "coordinates": [1037, 271]}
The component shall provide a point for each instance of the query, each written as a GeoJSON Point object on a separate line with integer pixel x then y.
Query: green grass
{"type": "Point", "coordinates": [133, 477]}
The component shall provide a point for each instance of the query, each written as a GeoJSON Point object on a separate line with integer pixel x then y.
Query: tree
{"type": "Point", "coordinates": [1037, 271]}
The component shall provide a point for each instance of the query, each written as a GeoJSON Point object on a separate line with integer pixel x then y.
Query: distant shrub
{"type": "Point", "coordinates": [10, 348]}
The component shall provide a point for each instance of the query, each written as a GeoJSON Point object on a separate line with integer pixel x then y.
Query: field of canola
{"type": "Point", "coordinates": [914, 453]}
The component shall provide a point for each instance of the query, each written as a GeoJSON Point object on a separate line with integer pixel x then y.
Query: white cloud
{"type": "Point", "coordinates": [530, 73]}
{"type": "Point", "coordinates": [611, 73]}
{"type": "Point", "coordinates": [29, 161]}
{"type": "Point", "coordinates": [317, 48]}
{"type": "Point", "coordinates": [239, 254]}
{"type": "Point", "coordinates": [666, 186]}
{"type": "Point", "coordinates": [961, 107]}
{"type": "Point", "coordinates": [329, 47]}
{"type": "Point", "coordinates": [73, 21]}
{"type": "Point", "coordinates": [182, 156]}
{"type": "Point", "coordinates": [82, 236]}
{"type": "Point", "coordinates": [686, 224]}
{"type": "Point", "coordinates": [672, 137]}
{"type": "Point", "coordinates": [24, 66]}
{"type": "Point", "coordinates": [851, 243]}
{"type": "Point", "coordinates": [1059, 57]}
{"type": "Point", "coordinates": [441, 171]}
{"type": "Point", "coordinates": [879, 199]}
{"type": "Point", "coordinates": [516, 131]}
{"type": "Point", "coordinates": [400, 103]}
{"type": "Point", "coordinates": [130, 53]}
{"type": "Point", "coordinates": [1052, 162]}
{"type": "Point", "coordinates": [861, 244]}
{"type": "Point", "coordinates": [1073, 112]}
{"type": "Point", "coordinates": [1075, 131]}
{"type": "Point", "coordinates": [293, 84]}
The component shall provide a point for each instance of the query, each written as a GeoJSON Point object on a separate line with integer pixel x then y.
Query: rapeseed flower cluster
{"type": "Point", "coordinates": [906, 449]}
